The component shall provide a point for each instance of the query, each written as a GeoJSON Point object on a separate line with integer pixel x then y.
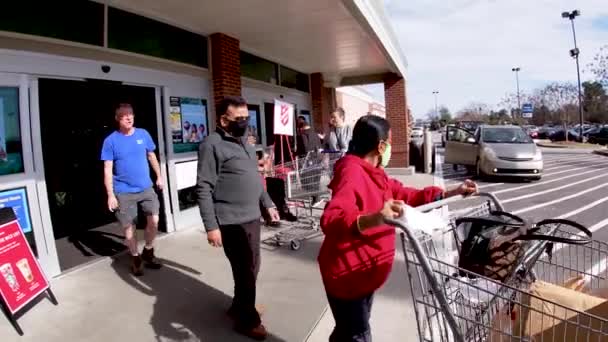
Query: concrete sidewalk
{"type": "Point", "coordinates": [187, 299]}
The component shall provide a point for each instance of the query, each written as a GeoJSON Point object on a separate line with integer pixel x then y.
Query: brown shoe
{"type": "Point", "coordinates": [258, 333]}
{"type": "Point", "coordinates": [150, 261]}
{"type": "Point", "coordinates": [137, 267]}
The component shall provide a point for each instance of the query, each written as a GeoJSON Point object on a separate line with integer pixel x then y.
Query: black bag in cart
{"type": "Point", "coordinates": [493, 245]}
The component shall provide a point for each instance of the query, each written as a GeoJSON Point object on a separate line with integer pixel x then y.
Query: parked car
{"type": "Point", "coordinates": [417, 132]}
{"type": "Point", "coordinates": [545, 131]}
{"type": "Point", "coordinates": [599, 137]}
{"type": "Point", "coordinates": [495, 151]}
{"type": "Point", "coordinates": [560, 135]}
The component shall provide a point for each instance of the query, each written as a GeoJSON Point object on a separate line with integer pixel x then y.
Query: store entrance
{"type": "Point", "coordinates": [75, 118]}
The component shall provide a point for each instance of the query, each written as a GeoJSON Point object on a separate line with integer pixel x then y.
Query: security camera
{"type": "Point", "coordinates": [106, 68]}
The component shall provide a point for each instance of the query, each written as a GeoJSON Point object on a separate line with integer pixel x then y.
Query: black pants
{"type": "Point", "coordinates": [352, 319]}
{"type": "Point", "coordinates": [242, 247]}
{"type": "Point", "coordinates": [277, 190]}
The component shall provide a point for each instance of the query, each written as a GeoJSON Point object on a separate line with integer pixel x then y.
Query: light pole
{"type": "Point", "coordinates": [516, 71]}
{"type": "Point", "coordinates": [436, 112]}
{"type": "Point", "coordinates": [574, 54]}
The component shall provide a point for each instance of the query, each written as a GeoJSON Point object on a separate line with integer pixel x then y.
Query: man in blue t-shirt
{"type": "Point", "coordinates": [125, 154]}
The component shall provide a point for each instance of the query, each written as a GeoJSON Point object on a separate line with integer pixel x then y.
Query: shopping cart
{"type": "Point", "coordinates": [306, 190]}
{"type": "Point", "coordinates": [451, 307]}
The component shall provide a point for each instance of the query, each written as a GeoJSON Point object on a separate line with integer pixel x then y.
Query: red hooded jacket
{"type": "Point", "coordinates": [354, 264]}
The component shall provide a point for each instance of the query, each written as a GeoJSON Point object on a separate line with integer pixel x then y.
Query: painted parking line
{"type": "Point", "coordinates": [543, 182]}
{"type": "Point", "coordinates": [535, 194]}
{"type": "Point", "coordinates": [561, 199]}
{"type": "Point", "coordinates": [548, 175]}
{"type": "Point", "coordinates": [584, 208]}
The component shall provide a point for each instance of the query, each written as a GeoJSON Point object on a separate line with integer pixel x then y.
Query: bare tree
{"type": "Point", "coordinates": [599, 66]}
{"type": "Point", "coordinates": [475, 111]}
{"type": "Point", "coordinates": [561, 99]}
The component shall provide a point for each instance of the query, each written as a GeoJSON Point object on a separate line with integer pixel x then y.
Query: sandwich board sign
{"type": "Point", "coordinates": [21, 277]}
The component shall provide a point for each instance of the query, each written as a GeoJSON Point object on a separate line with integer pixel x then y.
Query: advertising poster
{"type": "Point", "coordinates": [21, 278]}
{"type": "Point", "coordinates": [254, 125]}
{"type": "Point", "coordinates": [283, 118]}
{"type": "Point", "coordinates": [17, 200]}
{"type": "Point", "coordinates": [175, 116]}
{"type": "Point", "coordinates": [194, 120]}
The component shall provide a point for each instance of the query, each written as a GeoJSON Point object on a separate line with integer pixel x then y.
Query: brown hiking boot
{"type": "Point", "coordinates": [258, 333]}
{"type": "Point", "coordinates": [137, 266]}
{"type": "Point", "coordinates": [150, 261]}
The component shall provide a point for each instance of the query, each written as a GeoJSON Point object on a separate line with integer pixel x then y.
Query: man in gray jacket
{"type": "Point", "coordinates": [339, 135]}
{"type": "Point", "coordinates": [230, 191]}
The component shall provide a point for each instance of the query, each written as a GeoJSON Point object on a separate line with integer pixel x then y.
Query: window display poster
{"type": "Point", "coordinates": [194, 120]}
{"type": "Point", "coordinates": [254, 125]}
{"type": "Point", "coordinates": [21, 278]}
{"type": "Point", "coordinates": [17, 199]}
{"type": "Point", "coordinates": [175, 117]}
{"type": "Point", "coordinates": [189, 123]}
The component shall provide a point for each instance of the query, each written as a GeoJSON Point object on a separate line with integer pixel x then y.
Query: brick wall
{"type": "Point", "coordinates": [396, 104]}
{"type": "Point", "coordinates": [323, 102]}
{"type": "Point", "coordinates": [225, 66]}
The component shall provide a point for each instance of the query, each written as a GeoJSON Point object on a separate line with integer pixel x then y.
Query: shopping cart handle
{"type": "Point", "coordinates": [439, 204]}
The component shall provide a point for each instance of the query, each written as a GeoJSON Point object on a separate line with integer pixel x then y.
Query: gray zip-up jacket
{"type": "Point", "coordinates": [228, 185]}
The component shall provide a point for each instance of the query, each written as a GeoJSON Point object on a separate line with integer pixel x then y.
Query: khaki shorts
{"type": "Point", "coordinates": [129, 203]}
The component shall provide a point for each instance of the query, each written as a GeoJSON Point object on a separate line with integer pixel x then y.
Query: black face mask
{"type": "Point", "coordinates": [238, 128]}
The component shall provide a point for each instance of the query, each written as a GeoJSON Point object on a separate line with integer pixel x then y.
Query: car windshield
{"type": "Point", "coordinates": [505, 135]}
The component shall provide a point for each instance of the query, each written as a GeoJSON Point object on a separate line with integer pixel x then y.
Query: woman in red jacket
{"type": "Point", "coordinates": [358, 250]}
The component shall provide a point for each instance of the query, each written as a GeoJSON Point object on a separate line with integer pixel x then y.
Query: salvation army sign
{"type": "Point", "coordinates": [283, 118]}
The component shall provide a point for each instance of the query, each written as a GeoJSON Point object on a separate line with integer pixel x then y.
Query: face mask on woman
{"type": "Point", "coordinates": [386, 156]}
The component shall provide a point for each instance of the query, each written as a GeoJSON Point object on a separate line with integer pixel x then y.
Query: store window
{"type": "Point", "coordinates": [294, 79]}
{"type": "Point", "coordinates": [11, 156]}
{"type": "Point", "coordinates": [189, 123]}
{"type": "Point", "coordinates": [255, 128]}
{"type": "Point", "coordinates": [258, 68]}
{"type": "Point", "coordinates": [131, 32]}
{"type": "Point", "coordinates": [73, 20]}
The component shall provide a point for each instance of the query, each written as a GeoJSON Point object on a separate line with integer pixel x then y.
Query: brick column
{"type": "Point", "coordinates": [225, 66]}
{"type": "Point", "coordinates": [396, 113]}
{"type": "Point", "coordinates": [323, 101]}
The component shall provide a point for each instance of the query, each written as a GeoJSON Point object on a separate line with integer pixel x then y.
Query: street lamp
{"type": "Point", "coordinates": [516, 71]}
{"type": "Point", "coordinates": [436, 112]}
{"type": "Point", "coordinates": [574, 54]}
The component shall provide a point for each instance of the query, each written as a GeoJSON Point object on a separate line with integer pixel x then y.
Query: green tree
{"type": "Point", "coordinates": [444, 115]}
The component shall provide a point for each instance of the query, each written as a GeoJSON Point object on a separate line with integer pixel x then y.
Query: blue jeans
{"type": "Point", "coordinates": [352, 319]}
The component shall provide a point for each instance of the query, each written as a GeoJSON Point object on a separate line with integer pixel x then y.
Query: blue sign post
{"type": "Point", "coordinates": [17, 199]}
{"type": "Point", "coordinates": [527, 110]}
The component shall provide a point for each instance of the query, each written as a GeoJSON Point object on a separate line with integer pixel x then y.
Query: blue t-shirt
{"type": "Point", "coordinates": [130, 156]}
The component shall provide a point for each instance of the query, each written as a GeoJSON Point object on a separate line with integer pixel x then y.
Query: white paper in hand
{"type": "Point", "coordinates": [428, 223]}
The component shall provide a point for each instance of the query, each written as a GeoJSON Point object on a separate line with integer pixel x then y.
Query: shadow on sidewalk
{"type": "Point", "coordinates": [186, 309]}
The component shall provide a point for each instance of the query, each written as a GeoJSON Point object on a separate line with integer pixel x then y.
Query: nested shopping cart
{"type": "Point", "coordinates": [306, 180]}
{"type": "Point", "coordinates": [452, 304]}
